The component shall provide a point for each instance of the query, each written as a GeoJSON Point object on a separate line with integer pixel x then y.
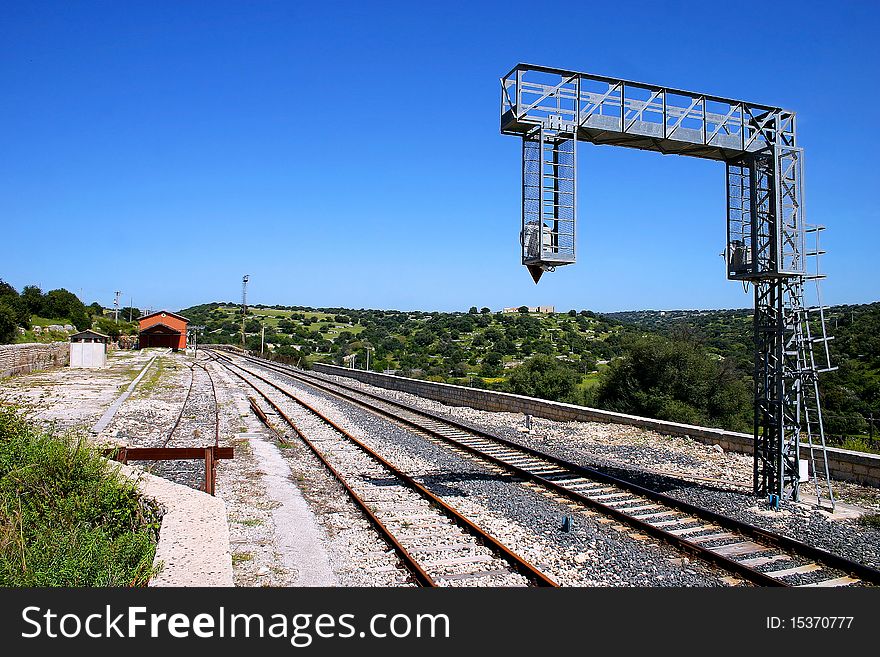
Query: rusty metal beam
{"type": "Point", "coordinates": [125, 454]}
{"type": "Point", "coordinates": [210, 455]}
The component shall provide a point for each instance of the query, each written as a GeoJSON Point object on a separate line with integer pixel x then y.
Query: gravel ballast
{"type": "Point", "coordinates": [679, 467]}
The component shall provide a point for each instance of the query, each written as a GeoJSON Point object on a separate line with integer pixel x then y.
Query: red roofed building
{"type": "Point", "coordinates": [162, 329]}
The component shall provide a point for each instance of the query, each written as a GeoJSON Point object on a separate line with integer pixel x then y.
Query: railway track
{"type": "Point", "coordinates": [198, 419]}
{"type": "Point", "coordinates": [196, 425]}
{"type": "Point", "coordinates": [752, 553]}
{"type": "Point", "coordinates": [437, 544]}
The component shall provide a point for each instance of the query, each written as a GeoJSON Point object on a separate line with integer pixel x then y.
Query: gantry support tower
{"type": "Point", "coordinates": [244, 282]}
{"type": "Point", "coordinates": [551, 109]}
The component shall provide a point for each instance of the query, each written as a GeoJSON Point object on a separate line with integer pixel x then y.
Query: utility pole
{"type": "Point", "coordinates": [116, 307]}
{"type": "Point", "coordinates": [244, 282]}
{"type": "Point", "coordinates": [262, 339]}
{"type": "Point", "coordinates": [130, 308]}
{"type": "Point", "coordinates": [368, 357]}
{"type": "Point", "coordinates": [195, 334]}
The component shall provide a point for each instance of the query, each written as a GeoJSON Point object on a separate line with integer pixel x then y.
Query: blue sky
{"type": "Point", "coordinates": [348, 154]}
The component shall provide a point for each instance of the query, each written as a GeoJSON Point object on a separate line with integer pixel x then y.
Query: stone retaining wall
{"type": "Point", "coordinates": [23, 358]}
{"type": "Point", "coordinates": [844, 464]}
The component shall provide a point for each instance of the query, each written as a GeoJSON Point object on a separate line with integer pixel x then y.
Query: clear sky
{"type": "Point", "coordinates": [349, 154]}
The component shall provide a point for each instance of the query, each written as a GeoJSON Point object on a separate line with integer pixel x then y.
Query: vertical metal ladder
{"type": "Point", "coordinates": [812, 331]}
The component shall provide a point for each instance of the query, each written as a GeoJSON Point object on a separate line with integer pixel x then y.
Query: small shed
{"type": "Point", "coordinates": [88, 349]}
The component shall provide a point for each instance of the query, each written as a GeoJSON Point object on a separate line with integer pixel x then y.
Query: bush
{"type": "Point", "coordinates": [870, 520]}
{"type": "Point", "coordinates": [676, 380]}
{"type": "Point", "coordinates": [7, 325]}
{"type": "Point", "coordinates": [544, 377]}
{"type": "Point", "coordinates": [65, 518]}
{"type": "Point", "coordinates": [10, 299]}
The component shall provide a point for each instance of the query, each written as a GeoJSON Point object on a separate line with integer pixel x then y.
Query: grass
{"type": "Point", "coordinates": [871, 520]}
{"type": "Point", "coordinates": [43, 321]}
{"type": "Point", "coordinates": [250, 522]}
{"type": "Point", "coordinates": [66, 519]}
{"type": "Point", "coordinates": [858, 444]}
{"type": "Point", "coordinates": [240, 557]}
{"type": "Point", "coordinates": [151, 379]}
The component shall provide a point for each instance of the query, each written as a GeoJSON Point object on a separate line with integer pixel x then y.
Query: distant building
{"type": "Point", "coordinates": [162, 329]}
{"type": "Point", "coordinates": [545, 310]}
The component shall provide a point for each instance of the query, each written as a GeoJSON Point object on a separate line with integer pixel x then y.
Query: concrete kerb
{"type": "Point", "coordinates": [193, 547]}
{"type": "Point", "coordinates": [101, 424]}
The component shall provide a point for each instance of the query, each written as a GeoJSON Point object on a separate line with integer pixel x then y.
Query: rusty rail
{"type": "Point", "coordinates": [867, 573]}
{"type": "Point", "coordinates": [520, 564]}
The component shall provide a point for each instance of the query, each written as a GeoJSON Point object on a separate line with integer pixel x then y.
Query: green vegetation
{"type": "Point", "coordinates": [21, 313]}
{"type": "Point", "coordinates": [473, 348]}
{"type": "Point", "coordinates": [109, 326]}
{"type": "Point", "coordinates": [65, 520]}
{"type": "Point", "coordinates": [676, 380]}
{"type": "Point", "coordinates": [681, 365]}
{"type": "Point", "coordinates": [871, 520]}
{"type": "Point", "coordinates": [152, 377]}
{"type": "Point", "coordinates": [545, 377]}
{"type": "Point", "coordinates": [850, 395]}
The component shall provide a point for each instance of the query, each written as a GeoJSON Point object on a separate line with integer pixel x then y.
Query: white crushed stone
{"type": "Point", "coordinates": [298, 538]}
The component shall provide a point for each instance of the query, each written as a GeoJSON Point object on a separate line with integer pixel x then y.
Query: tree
{"type": "Point", "coordinates": [32, 296]}
{"type": "Point", "coordinates": [676, 380]}
{"type": "Point", "coordinates": [63, 304]}
{"type": "Point", "coordinates": [572, 313]}
{"type": "Point", "coordinates": [523, 309]}
{"type": "Point", "coordinates": [473, 310]}
{"type": "Point", "coordinates": [544, 377]}
{"type": "Point", "coordinates": [484, 311]}
{"type": "Point", "coordinates": [109, 327]}
{"type": "Point", "coordinates": [10, 299]}
{"type": "Point", "coordinates": [80, 319]}
{"type": "Point", "coordinates": [491, 365]}
{"type": "Point", "coordinates": [7, 324]}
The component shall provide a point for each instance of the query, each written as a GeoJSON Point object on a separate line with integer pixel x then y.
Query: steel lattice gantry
{"type": "Point", "coordinates": [552, 109]}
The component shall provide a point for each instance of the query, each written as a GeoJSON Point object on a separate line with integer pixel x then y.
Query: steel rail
{"type": "Point", "coordinates": [863, 571]}
{"type": "Point", "coordinates": [421, 576]}
{"type": "Point", "coordinates": [192, 378]}
{"type": "Point", "coordinates": [216, 403]}
{"type": "Point", "coordinates": [519, 564]}
{"type": "Point", "coordinates": [192, 369]}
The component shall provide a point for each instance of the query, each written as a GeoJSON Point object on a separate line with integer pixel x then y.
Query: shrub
{"type": "Point", "coordinates": [676, 380]}
{"type": "Point", "coordinates": [7, 325]}
{"type": "Point", "coordinates": [544, 377]}
{"type": "Point", "coordinates": [66, 519]}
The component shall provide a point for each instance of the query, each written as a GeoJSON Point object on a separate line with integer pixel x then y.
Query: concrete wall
{"type": "Point", "coordinates": [23, 358]}
{"type": "Point", "coordinates": [844, 464]}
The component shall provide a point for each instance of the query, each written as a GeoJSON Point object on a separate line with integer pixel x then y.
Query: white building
{"type": "Point", "coordinates": [88, 349]}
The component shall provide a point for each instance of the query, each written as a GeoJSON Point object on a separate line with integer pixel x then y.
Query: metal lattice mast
{"type": "Point", "coordinates": [244, 282]}
{"type": "Point", "coordinates": [551, 109]}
